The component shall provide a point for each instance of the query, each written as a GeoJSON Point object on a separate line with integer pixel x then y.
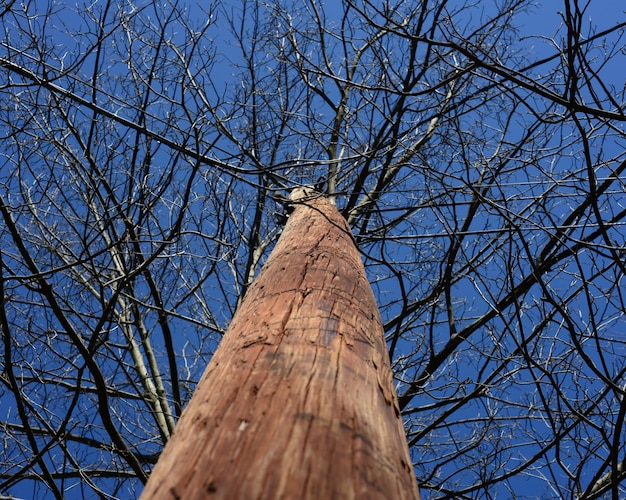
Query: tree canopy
{"type": "Point", "coordinates": [476, 150]}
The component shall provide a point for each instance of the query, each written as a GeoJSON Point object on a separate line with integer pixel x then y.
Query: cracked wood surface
{"type": "Point", "coordinates": [298, 400]}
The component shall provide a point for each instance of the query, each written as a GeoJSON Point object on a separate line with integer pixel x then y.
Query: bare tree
{"type": "Point", "coordinates": [477, 155]}
{"type": "Point", "coordinates": [298, 401]}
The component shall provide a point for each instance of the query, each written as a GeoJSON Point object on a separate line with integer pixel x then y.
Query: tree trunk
{"type": "Point", "coordinates": [298, 400]}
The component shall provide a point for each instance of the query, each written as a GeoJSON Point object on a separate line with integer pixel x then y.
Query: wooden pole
{"type": "Point", "coordinates": [298, 400]}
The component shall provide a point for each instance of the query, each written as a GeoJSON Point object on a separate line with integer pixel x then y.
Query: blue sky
{"type": "Point", "coordinates": [542, 32]}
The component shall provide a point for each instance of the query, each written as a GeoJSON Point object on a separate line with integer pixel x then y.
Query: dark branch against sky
{"type": "Point", "coordinates": [475, 148]}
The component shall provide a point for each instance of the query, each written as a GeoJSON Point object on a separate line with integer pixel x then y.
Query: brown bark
{"type": "Point", "coordinates": [298, 400]}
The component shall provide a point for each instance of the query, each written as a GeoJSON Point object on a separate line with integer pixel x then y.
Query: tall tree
{"type": "Point", "coordinates": [476, 150]}
{"type": "Point", "coordinates": [298, 401]}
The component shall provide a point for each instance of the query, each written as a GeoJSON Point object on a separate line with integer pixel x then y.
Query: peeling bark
{"type": "Point", "coordinates": [298, 401]}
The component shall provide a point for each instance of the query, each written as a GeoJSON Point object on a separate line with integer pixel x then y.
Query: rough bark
{"type": "Point", "coordinates": [298, 400]}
